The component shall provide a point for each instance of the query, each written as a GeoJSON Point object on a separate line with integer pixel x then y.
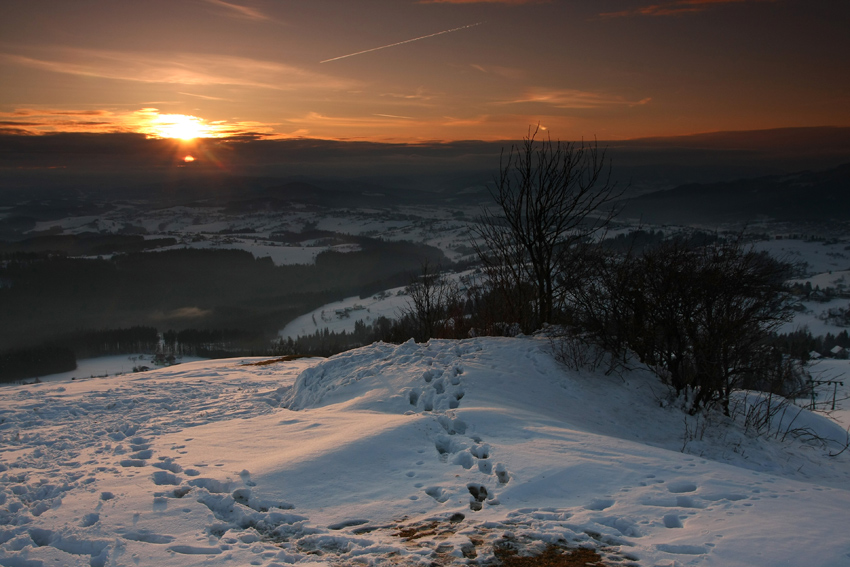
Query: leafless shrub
{"type": "Point", "coordinates": [577, 351]}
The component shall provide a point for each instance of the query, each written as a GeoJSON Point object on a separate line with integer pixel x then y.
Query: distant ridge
{"type": "Point", "coordinates": [803, 196]}
{"type": "Point", "coordinates": [816, 138]}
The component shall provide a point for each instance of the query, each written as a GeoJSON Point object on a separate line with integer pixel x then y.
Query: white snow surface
{"type": "Point", "coordinates": [102, 366]}
{"type": "Point", "coordinates": [819, 257]}
{"type": "Point", "coordinates": [814, 317]}
{"type": "Point", "coordinates": [341, 315]}
{"type": "Point", "coordinates": [412, 454]}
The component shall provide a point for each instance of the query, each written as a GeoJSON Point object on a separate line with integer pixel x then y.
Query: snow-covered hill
{"type": "Point", "coordinates": [415, 454]}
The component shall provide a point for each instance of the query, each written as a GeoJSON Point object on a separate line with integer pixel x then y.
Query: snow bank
{"type": "Point", "coordinates": [410, 454]}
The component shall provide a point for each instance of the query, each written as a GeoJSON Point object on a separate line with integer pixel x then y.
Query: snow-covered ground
{"type": "Point", "coordinates": [416, 454]}
{"type": "Point", "coordinates": [833, 370]}
{"type": "Point", "coordinates": [834, 279]}
{"type": "Point", "coordinates": [814, 317]}
{"type": "Point", "coordinates": [280, 254]}
{"type": "Point", "coordinates": [207, 227]}
{"type": "Point", "coordinates": [819, 257]}
{"type": "Point", "coordinates": [342, 315]}
{"type": "Point", "coordinates": [103, 366]}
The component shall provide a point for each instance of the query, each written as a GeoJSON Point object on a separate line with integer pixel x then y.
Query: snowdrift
{"type": "Point", "coordinates": [412, 454]}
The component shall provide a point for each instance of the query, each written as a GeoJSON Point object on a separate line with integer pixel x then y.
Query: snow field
{"type": "Point", "coordinates": [407, 454]}
{"type": "Point", "coordinates": [819, 256]}
{"type": "Point", "coordinates": [342, 315]}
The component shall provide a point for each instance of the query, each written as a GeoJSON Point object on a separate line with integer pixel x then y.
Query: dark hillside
{"type": "Point", "coordinates": [804, 196]}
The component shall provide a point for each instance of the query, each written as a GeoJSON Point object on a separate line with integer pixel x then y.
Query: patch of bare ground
{"type": "Point", "coordinates": [552, 556]}
{"type": "Point", "coordinates": [506, 551]}
{"type": "Point", "coordinates": [432, 529]}
{"type": "Point", "coordinates": [286, 358]}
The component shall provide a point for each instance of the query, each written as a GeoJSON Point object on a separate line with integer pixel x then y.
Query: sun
{"type": "Point", "coordinates": [181, 126]}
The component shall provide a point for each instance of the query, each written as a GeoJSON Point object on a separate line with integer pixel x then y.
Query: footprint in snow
{"type": "Point", "coordinates": [682, 549]}
{"type": "Point", "coordinates": [599, 504]}
{"type": "Point", "coordinates": [672, 521]}
{"type": "Point", "coordinates": [502, 474]}
{"type": "Point", "coordinates": [681, 486]}
{"type": "Point", "coordinates": [478, 494]}
{"type": "Point", "coordinates": [168, 464]}
{"type": "Point", "coordinates": [437, 493]}
{"type": "Point", "coordinates": [161, 478]}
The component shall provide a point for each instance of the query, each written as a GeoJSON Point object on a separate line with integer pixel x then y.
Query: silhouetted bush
{"type": "Point", "coordinates": [702, 317]}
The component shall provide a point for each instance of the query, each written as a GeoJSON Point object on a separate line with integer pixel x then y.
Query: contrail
{"type": "Point", "coordinates": [401, 42]}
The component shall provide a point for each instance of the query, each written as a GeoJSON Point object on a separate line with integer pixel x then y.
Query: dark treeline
{"type": "Point", "coordinates": [637, 241]}
{"type": "Point", "coordinates": [62, 353]}
{"type": "Point", "coordinates": [47, 298]}
{"type": "Point", "coordinates": [326, 343]}
{"type": "Point", "coordinates": [43, 296]}
{"type": "Point", "coordinates": [35, 361]}
{"type": "Point", "coordinates": [217, 343]}
{"type": "Point", "coordinates": [800, 343]}
{"type": "Point", "coordinates": [85, 244]}
{"type": "Point", "coordinates": [104, 342]}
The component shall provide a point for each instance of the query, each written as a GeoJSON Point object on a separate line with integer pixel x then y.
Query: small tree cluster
{"type": "Point", "coordinates": [436, 307]}
{"type": "Point", "coordinates": [700, 311]}
{"type": "Point", "coordinates": [702, 317]}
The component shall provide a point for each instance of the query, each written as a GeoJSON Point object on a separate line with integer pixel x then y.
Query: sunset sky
{"type": "Point", "coordinates": [476, 69]}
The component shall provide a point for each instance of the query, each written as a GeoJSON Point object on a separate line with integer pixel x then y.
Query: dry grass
{"type": "Point", "coordinates": [506, 552]}
{"type": "Point", "coordinates": [552, 557]}
{"type": "Point", "coordinates": [286, 358]}
{"type": "Point", "coordinates": [419, 531]}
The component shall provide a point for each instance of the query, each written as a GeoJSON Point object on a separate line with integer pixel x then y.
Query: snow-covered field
{"type": "Point", "coordinates": [416, 454]}
{"type": "Point", "coordinates": [342, 315]}
{"type": "Point", "coordinates": [814, 318]}
{"type": "Point", "coordinates": [103, 366]}
{"type": "Point", "coordinates": [206, 227]}
{"type": "Point", "coordinates": [819, 257]}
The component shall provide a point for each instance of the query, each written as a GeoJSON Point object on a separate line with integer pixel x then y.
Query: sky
{"type": "Point", "coordinates": [422, 70]}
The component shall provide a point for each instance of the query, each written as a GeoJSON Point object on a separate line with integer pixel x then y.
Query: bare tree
{"type": "Point", "coordinates": [552, 198]}
{"type": "Point", "coordinates": [432, 310]}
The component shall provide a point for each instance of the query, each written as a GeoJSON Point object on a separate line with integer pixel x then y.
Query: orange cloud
{"type": "Point", "coordinates": [513, 2]}
{"type": "Point", "coordinates": [239, 11]}
{"type": "Point", "coordinates": [511, 73]}
{"type": "Point", "coordinates": [675, 8]}
{"type": "Point", "coordinates": [382, 121]}
{"type": "Point", "coordinates": [31, 112]}
{"type": "Point", "coordinates": [145, 121]}
{"type": "Point", "coordinates": [576, 99]}
{"type": "Point", "coordinates": [180, 68]}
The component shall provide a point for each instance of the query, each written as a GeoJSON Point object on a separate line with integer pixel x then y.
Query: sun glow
{"type": "Point", "coordinates": [178, 126]}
